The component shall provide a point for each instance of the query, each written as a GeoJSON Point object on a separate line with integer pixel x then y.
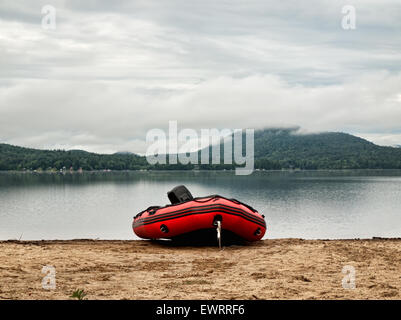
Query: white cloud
{"type": "Point", "coordinates": [392, 140]}
{"type": "Point", "coordinates": [42, 114]}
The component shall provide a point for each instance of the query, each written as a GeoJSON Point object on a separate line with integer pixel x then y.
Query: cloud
{"type": "Point", "coordinates": [383, 139]}
{"type": "Point", "coordinates": [113, 70]}
{"type": "Point", "coordinates": [73, 114]}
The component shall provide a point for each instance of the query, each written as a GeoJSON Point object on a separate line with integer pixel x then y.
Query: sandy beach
{"type": "Point", "coordinates": [270, 269]}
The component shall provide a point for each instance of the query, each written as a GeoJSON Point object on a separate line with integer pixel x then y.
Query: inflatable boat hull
{"type": "Point", "coordinates": [201, 213]}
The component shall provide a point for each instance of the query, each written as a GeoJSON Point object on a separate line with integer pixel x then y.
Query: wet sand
{"type": "Point", "coordinates": [270, 269]}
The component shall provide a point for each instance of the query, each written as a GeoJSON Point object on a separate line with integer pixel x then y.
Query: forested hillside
{"type": "Point", "coordinates": [285, 148]}
{"type": "Point", "coordinates": [17, 158]}
{"type": "Point", "coordinates": [274, 149]}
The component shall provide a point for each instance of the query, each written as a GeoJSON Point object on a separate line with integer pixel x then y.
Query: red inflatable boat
{"type": "Point", "coordinates": [187, 214]}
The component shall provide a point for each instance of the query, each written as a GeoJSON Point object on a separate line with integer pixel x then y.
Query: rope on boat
{"type": "Point", "coordinates": [218, 228]}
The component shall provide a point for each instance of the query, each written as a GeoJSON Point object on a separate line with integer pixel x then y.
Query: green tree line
{"type": "Point", "coordinates": [275, 149]}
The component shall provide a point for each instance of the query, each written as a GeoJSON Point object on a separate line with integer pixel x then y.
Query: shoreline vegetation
{"type": "Point", "coordinates": [141, 269]}
{"type": "Point", "coordinates": [274, 149]}
{"type": "Point", "coordinates": [78, 172]}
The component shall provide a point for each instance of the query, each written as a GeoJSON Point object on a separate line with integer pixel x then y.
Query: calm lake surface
{"type": "Point", "coordinates": [310, 205]}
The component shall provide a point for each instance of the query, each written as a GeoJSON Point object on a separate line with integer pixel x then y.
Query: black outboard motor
{"type": "Point", "coordinates": [179, 194]}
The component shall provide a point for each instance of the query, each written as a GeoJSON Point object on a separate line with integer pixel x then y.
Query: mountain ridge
{"type": "Point", "coordinates": [275, 148]}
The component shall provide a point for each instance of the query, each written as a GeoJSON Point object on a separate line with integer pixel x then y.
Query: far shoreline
{"type": "Point", "coordinates": [194, 171]}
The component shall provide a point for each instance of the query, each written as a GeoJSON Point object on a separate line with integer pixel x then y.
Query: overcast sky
{"type": "Point", "coordinates": [111, 70]}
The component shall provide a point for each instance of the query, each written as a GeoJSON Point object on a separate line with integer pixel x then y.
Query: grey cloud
{"type": "Point", "coordinates": [112, 70]}
{"type": "Point", "coordinates": [87, 114]}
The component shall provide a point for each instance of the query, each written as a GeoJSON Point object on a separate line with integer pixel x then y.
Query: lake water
{"type": "Point", "coordinates": [321, 204]}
